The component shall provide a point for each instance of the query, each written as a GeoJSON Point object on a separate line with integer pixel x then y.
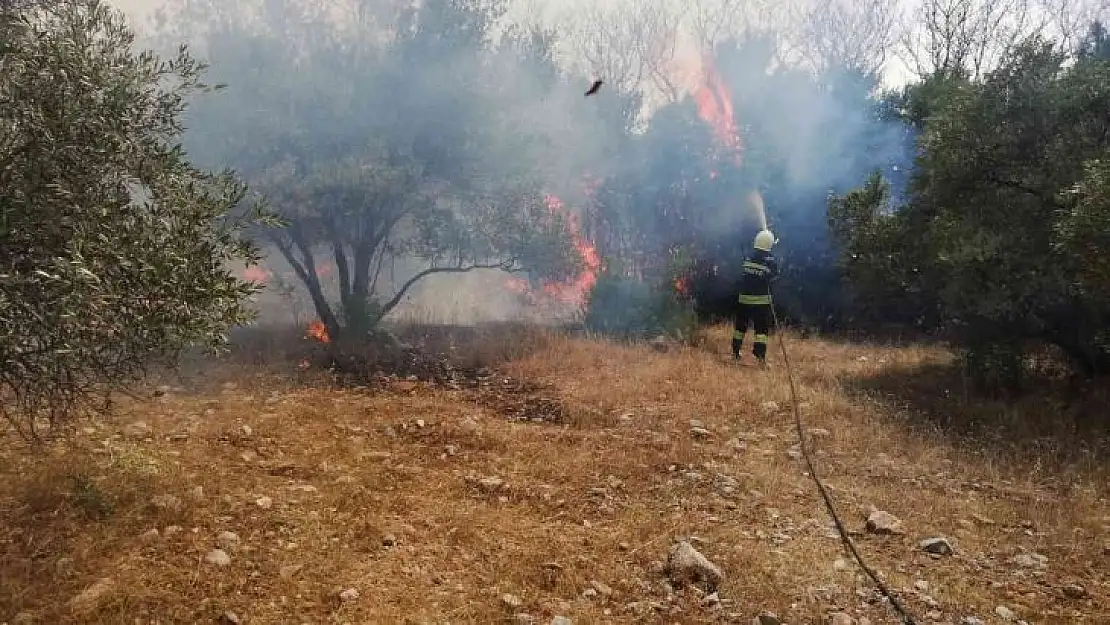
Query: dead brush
{"type": "Point", "coordinates": [337, 487]}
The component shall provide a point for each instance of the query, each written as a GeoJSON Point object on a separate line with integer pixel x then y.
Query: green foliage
{"type": "Point", "coordinates": [114, 249]}
{"type": "Point", "coordinates": [1004, 235]}
{"type": "Point", "coordinates": [886, 277]}
{"type": "Point", "coordinates": [624, 307]}
{"type": "Point", "coordinates": [379, 149]}
{"type": "Point", "coordinates": [995, 363]}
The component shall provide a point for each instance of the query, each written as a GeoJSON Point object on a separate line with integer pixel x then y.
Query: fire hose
{"type": "Point", "coordinates": [884, 590]}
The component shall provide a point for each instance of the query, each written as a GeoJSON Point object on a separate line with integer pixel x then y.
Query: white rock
{"type": "Point", "coordinates": [601, 588]}
{"type": "Point", "coordinates": [167, 502]}
{"type": "Point", "coordinates": [686, 564]}
{"type": "Point", "coordinates": [1005, 613]}
{"type": "Point", "coordinates": [264, 502]}
{"type": "Point", "coordinates": [1030, 560]}
{"type": "Point", "coordinates": [349, 594]}
{"type": "Point", "coordinates": [937, 546]}
{"type": "Point", "coordinates": [227, 540]}
{"type": "Point", "coordinates": [218, 557]}
{"type": "Point", "coordinates": [511, 600]}
{"type": "Point", "coordinates": [881, 522]}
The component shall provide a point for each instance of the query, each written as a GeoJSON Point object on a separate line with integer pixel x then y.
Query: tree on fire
{"type": "Point", "coordinates": [114, 249]}
{"type": "Point", "coordinates": [390, 137]}
{"type": "Point", "coordinates": [803, 135]}
{"type": "Point", "coordinates": [1006, 233]}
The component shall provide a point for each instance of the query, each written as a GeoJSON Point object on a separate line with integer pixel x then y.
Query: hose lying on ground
{"type": "Point", "coordinates": [897, 605]}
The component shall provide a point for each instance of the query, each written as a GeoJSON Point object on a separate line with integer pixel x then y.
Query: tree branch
{"type": "Point", "coordinates": [392, 303]}
{"type": "Point", "coordinates": [305, 268]}
{"type": "Point", "coordinates": [341, 264]}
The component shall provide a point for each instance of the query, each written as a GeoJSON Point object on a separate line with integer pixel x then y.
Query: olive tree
{"type": "Point", "coordinates": [1003, 235]}
{"type": "Point", "coordinates": [389, 136]}
{"type": "Point", "coordinates": [115, 251]}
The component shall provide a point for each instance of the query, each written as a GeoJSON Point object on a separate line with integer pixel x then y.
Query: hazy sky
{"type": "Point", "coordinates": [895, 73]}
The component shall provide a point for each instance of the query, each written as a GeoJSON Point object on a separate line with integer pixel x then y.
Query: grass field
{"type": "Point", "coordinates": [553, 484]}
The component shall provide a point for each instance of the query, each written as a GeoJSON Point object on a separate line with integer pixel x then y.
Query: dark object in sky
{"type": "Point", "coordinates": [594, 87]}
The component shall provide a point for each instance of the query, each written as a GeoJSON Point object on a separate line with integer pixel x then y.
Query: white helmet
{"type": "Point", "coordinates": [764, 240]}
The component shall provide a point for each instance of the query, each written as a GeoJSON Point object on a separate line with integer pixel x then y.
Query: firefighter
{"type": "Point", "coordinates": [760, 269]}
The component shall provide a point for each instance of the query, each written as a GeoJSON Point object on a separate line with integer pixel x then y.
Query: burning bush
{"type": "Point", "coordinates": [629, 308]}
{"type": "Point", "coordinates": [386, 150]}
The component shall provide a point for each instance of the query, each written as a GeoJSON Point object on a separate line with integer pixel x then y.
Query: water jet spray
{"type": "Point", "coordinates": [755, 204]}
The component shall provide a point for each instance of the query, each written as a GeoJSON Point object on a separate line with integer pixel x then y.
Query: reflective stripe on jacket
{"type": "Point", "coordinates": [760, 269]}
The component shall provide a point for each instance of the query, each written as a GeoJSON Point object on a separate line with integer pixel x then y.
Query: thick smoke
{"type": "Point", "coordinates": [387, 98]}
{"type": "Point", "coordinates": [363, 80]}
{"type": "Point", "coordinates": [809, 136]}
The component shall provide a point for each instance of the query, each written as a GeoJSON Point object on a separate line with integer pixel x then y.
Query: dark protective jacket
{"type": "Point", "coordinates": [760, 269]}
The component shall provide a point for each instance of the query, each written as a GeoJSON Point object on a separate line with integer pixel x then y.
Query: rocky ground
{"type": "Point", "coordinates": [545, 479]}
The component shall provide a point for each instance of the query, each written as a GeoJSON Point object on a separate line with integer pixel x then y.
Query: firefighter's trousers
{"type": "Point", "coordinates": [759, 316]}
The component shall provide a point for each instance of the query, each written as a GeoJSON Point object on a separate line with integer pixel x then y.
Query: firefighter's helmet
{"type": "Point", "coordinates": [764, 240]}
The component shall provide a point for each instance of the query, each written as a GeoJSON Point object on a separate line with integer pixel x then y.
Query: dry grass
{"type": "Point", "coordinates": [363, 496]}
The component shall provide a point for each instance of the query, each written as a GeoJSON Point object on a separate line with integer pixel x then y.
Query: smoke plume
{"type": "Point", "coordinates": [741, 131]}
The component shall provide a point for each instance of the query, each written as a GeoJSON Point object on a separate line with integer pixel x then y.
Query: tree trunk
{"type": "Point", "coordinates": [305, 268]}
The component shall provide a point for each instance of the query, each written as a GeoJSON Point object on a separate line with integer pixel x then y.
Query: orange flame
{"type": "Point", "coordinates": [518, 285]}
{"type": "Point", "coordinates": [715, 108]}
{"type": "Point", "coordinates": [682, 286]}
{"type": "Point", "coordinates": [317, 330]}
{"type": "Point", "coordinates": [256, 273]}
{"type": "Point", "coordinates": [575, 290]}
